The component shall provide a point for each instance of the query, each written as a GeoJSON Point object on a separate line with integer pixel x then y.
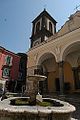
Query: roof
{"type": "Point", "coordinates": [45, 13]}
{"type": "Point", "coordinates": [4, 49]}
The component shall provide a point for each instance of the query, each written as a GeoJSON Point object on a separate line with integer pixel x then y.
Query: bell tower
{"type": "Point", "coordinates": [44, 26]}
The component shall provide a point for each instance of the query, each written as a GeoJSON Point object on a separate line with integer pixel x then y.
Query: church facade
{"type": "Point", "coordinates": [55, 54]}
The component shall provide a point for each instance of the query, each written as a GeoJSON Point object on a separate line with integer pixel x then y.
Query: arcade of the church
{"type": "Point", "coordinates": [55, 54]}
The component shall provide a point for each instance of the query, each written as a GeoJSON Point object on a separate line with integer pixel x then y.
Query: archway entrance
{"type": "Point", "coordinates": [71, 57]}
{"type": "Point", "coordinates": [49, 67]}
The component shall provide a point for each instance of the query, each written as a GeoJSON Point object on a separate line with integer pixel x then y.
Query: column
{"type": "Point", "coordinates": [61, 77]}
{"type": "Point", "coordinates": [76, 78]}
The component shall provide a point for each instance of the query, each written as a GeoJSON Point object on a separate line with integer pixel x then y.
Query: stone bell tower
{"type": "Point", "coordinates": [44, 26]}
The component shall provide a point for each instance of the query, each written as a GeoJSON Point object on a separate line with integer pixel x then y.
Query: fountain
{"type": "Point", "coordinates": [55, 110]}
{"type": "Point", "coordinates": [34, 90]}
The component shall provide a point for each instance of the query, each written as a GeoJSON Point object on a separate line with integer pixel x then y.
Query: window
{"type": "Point", "coordinates": [8, 60]}
{"type": "Point", "coordinates": [37, 27]}
{"type": "Point", "coordinates": [37, 41]}
{"type": "Point", "coordinates": [50, 27]}
{"type": "Point", "coordinates": [6, 72]}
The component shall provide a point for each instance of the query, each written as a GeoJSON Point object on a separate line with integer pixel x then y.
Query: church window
{"type": "Point", "coordinates": [37, 27]}
{"type": "Point", "coordinates": [36, 43]}
{"type": "Point", "coordinates": [50, 27]}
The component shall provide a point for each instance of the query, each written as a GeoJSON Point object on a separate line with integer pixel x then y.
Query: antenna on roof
{"type": "Point", "coordinates": [76, 8]}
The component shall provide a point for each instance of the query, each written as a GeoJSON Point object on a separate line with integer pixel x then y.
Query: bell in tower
{"type": "Point", "coordinates": [44, 26]}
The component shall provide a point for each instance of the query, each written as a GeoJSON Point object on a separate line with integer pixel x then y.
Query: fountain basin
{"type": "Point", "coordinates": [10, 112]}
{"type": "Point", "coordinates": [36, 77]}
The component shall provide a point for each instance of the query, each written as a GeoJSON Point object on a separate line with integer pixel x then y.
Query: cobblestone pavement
{"type": "Point", "coordinates": [74, 99]}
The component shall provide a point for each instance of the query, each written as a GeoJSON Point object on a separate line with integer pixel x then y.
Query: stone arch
{"type": "Point", "coordinates": [47, 61]}
{"type": "Point", "coordinates": [45, 56]}
{"type": "Point", "coordinates": [71, 47]}
{"type": "Point", "coordinates": [71, 54]}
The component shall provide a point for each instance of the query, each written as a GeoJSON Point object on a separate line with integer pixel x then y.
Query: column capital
{"type": "Point", "coordinates": [61, 63]}
{"type": "Point", "coordinates": [74, 68]}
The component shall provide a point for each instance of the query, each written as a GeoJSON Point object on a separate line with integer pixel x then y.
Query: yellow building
{"type": "Point", "coordinates": [55, 54]}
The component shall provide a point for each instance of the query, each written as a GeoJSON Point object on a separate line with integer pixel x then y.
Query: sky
{"type": "Point", "coordinates": [16, 18]}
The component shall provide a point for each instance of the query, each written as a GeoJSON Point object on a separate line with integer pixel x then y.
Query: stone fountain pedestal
{"type": "Point", "coordinates": [33, 87]}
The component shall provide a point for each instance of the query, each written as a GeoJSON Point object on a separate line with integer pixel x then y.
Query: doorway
{"type": "Point", "coordinates": [57, 84]}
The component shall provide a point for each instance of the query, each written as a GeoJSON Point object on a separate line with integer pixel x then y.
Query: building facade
{"type": "Point", "coordinates": [21, 83]}
{"type": "Point", "coordinates": [9, 68]}
{"type": "Point", "coordinates": [57, 54]}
